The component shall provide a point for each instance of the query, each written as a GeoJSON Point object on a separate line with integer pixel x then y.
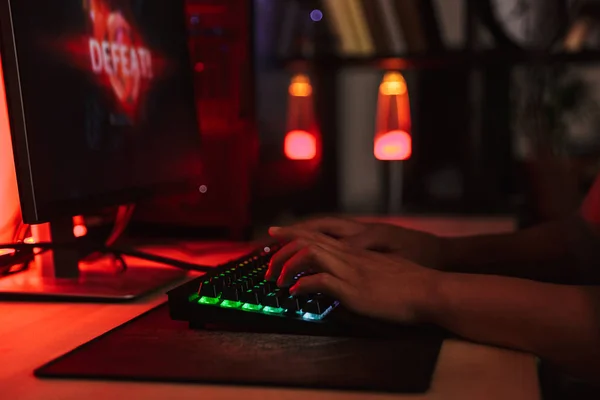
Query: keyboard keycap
{"type": "Point", "coordinates": [275, 298]}
{"type": "Point", "coordinates": [293, 303]}
{"type": "Point", "coordinates": [252, 296]}
{"type": "Point", "coordinates": [261, 289]}
{"type": "Point", "coordinates": [242, 284]}
{"type": "Point", "coordinates": [231, 293]}
{"type": "Point", "coordinates": [208, 289]}
{"type": "Point", "coordinates": [318, 305]}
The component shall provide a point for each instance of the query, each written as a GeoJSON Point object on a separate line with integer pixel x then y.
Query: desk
{"type": "Point", "coordinates": [33, 334]}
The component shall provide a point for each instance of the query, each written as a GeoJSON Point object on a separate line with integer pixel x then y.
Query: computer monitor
{"type": "Point", "coordinates": [102, 112]}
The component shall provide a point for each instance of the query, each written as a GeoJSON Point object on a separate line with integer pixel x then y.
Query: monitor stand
{"type": "Point", "coordinates": [59, 275]}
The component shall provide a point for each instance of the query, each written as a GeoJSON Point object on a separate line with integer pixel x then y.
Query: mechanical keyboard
{"type": "Point", "coordinates": [236, 297]}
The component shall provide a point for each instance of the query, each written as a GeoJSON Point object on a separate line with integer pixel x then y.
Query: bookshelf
{"type": "Point", "coordinates": [447, 59]}
{"type": "Point", "coordinates": [483, 71]}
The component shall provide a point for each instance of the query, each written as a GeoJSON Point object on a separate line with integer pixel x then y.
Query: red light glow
{"type": "Point", "coordinates": [10, 210]}
{"type": "Point", "coordinates": [300, 145]}
{"type": "Point", "coordinates": [393, 146]}
{"type": "Point", "coordinates": [79, 228]}
{"type": "Point", "coordinates": [393, 141]}
{"type": "Point", "coordinates": [303, 140]}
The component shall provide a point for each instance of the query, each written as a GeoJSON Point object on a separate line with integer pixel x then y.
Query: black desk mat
{"type": "Point", "coordinates": [152, 347]}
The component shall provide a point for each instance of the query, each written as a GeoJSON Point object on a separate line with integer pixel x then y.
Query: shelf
{"type": "Point", "coordinates": [451, 59]}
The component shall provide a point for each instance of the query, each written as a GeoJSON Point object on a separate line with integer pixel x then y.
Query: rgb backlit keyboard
{"type": "Point", "coordinates": [241, 285]}
{"type": "Point", "coordinates": [236, 297]}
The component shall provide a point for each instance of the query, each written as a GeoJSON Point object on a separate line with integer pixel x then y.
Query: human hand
{"type": "Point", "coordinates": [363, 281]}
{"type": "Point", "coordinates": [420, 247]}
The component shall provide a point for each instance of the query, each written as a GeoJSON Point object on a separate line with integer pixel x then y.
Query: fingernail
{"type": "Point", "coordinates": [274, 229]}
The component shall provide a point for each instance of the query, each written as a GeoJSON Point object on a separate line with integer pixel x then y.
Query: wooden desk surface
{"type": "Point", "coordinates": [32, 334]}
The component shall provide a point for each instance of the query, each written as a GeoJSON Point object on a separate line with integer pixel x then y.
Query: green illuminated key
{"type": "Point", "coordinates": [231, 304]}
{"type": "Point", "coordinates": [252, 307]}
{"type": "Point", "coordinates": [273, 310]}
{"type": "Point", "coordinates": [209, 300]}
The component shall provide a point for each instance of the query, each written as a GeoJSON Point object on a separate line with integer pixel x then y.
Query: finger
{"type": "Point", "coordinates": [317, 258]}
{"type": "Point", "coordinates": [281, 257]}
{"type": "Point", "coordinates": [365, 241]}
{"type": "Point", "coordinates": [321, 283]}
{"type": "Point", "coordinates": [297, 238]}
{"type": "Point", "coordinates": [336, 227]}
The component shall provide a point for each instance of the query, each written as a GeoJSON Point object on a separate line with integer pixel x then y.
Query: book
{"type": "Point", "coordinates": [374, 18]}
{"type": "Point", "coordinates": [430, 25]}
{"type": "Point", "coordinates": [391, 25]}
{"type": "Point", "coordinates": [340, 22]}
{"type": "Point", "coordinates": [360, 26]}
{"type": "Point", "coordinates": [409, 15]}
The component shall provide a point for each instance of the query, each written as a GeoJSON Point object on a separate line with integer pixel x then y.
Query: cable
{"type": "Point", "coordinates": [100, 248]}
{"type": "Point", "coordinates": [95, 251]}
{"type": "Point", "coordinates": [160, 259]}
{"type": "Point", "coordinates": [124, 214]}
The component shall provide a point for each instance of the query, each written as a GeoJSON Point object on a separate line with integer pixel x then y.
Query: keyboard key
{"type": "Point", "coordinates": [227, 277]}
{"type": "Point", "coordinates": [252, 279]}
{"type": "Point", "coordinates": [275, 298]}
{"type": "Point", "coordinates": [318, 305]}
{"type": "Point", "coordinates": [231, 293]}
{"type": "Point", "coordinates": [251, 296]}
{"type": "Point", "coordinates": [217, 282]}
{"type": "Point", "coordinates": [239, 272]}
{"type": "Point", "coordinates": [293, 303]}
{"type": "Point", "coordinates": [208, 289]}
{"type": "Point", "coordinates": [261, 289]}
{"type": "Point", "coordinates": [242, 284]}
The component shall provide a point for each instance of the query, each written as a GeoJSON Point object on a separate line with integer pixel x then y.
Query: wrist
{"type": "Point", "coordinates": [431, 302]}
{"type": "Point", "coordinates": [449, 249]}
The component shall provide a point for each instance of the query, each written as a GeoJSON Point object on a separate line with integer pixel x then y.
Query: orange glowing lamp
{"type": "Point", "coordinates": [393, 140]}
{"type": "Point", "coordinates": [302, 140]}
{"type": "Point", "coordinates": [300, 86]}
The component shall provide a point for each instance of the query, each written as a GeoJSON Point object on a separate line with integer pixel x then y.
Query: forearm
{"type": "Point", "coordinates": [565, 251]}
{"type": "Point", "coordinates": [560, 324]}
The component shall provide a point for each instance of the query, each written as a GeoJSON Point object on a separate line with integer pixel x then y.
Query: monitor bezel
{"type": "Point", "coordinates": [33, 210]}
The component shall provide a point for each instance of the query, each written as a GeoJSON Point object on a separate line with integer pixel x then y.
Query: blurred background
{"type": "Point", "coordinates": [379, 107]}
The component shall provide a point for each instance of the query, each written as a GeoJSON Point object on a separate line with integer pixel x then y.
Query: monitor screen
{"type": "Point", "coordinates": [105, 101]}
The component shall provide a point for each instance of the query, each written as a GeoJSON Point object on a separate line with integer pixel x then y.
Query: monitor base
{"type": "Point", "coordinates": [94, 284]}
